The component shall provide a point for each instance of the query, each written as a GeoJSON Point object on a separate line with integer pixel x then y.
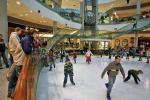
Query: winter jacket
{"type": "Point", "coordinates": [68, 67]}
{"type": "Point", "coordinates": [113, 69]}
{"type": "Point", "coordinates": [15, 49]}
{"type": "Point", "coordinates": [27, 44]}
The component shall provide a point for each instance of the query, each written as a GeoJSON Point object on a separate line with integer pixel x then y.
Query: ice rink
{"type": "Point", "coordinates": [89, 85]}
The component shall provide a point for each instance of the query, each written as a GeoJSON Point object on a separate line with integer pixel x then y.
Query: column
{"type": "Point", "coordinates": [136, 39]}
{"type": "Point", "coordinates": [110, 18]}
{"type": "Point", "coordinates": [3, 20]}
{"type": "Point", "coordinates": [54, 27]}
{"type": "Point", "coordinates": [104, 45]}
{"type": "Point", "coordinates": [82, 16]}
{"type": "Point", "coordinates": [97, 7]}
{"type": "Point", "coordinates": [89, 45]}
{"type": "Point", "coordinates": [138, 9]}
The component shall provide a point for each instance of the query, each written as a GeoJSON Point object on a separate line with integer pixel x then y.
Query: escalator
{"type": "Point", "coordinates": [126, 29]}
{"type": "Point", "coordinates": [109, 35]}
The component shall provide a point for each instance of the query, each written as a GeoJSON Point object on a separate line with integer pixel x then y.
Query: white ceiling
{"type": "Point", "coordinates": [24, 13]}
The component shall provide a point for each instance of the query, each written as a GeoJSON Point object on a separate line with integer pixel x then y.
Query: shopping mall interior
{"type": "Point", "coordinates": [44, 41]}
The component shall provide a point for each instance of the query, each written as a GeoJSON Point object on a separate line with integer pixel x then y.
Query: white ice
{"type": "Point", "coordinates": [89, 85]}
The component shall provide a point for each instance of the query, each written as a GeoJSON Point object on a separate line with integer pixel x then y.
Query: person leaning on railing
{"type": "Point", "coordinates": [18, 55]}
{"type": "Point", "coordinates": [27, 41]}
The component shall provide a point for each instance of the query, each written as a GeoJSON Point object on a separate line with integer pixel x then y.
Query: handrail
{"type": "Point", "coordinates": [26, 81]}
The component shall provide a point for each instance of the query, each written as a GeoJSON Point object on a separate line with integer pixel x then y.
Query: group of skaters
{"type": "Point", "coordinates": [49, 59]}
{"type": "Point", "coordinates": [128, 53]}
{"type": "Point", "coordinates": [112, 69]}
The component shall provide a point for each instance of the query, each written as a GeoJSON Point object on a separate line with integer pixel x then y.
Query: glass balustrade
{"type": "Point", "coordinates": [69, 14]}
{"type": "Point", "coordinates": [74, 15]}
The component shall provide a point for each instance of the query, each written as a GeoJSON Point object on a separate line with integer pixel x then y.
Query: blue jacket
{"type": "Point", "coordinates": [27, 44]}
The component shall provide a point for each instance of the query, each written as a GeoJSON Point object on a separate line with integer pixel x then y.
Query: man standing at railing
{"type": "Point", "coordinates": [18, 57]}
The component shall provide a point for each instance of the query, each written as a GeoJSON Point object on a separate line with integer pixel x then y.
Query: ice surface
{"type": "Point", "coordinates": [89, 85]}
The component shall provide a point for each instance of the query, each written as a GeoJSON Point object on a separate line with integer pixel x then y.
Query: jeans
{"type": "Point", "coordinates": [61, 59]}
{"type": "Point", "coordinates": [140, 58]}
{"type": "Point", "coordinates": [111, 81]}
{"type": "Point", "coordinates": [52, 63]}
{"type": "Point", "coordinates": [148, 59]}
{"type": "Point", "coordinates": [13, 80]}
{"type": "Point", "coordinates": [2, 54]}
{"type": "Point", "coordinates": [66, 77]}
{"type": "Point", "coordinates": [74, 58]}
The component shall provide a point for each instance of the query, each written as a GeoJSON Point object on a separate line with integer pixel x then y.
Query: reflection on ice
{"type": "Point", "coordinates": [147, 84]}
{"type": "Point", "coordinates": [89, 85]}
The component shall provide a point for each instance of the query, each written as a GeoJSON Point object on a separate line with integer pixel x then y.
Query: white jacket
{"type": "Point", "coordinates": [15, 49]}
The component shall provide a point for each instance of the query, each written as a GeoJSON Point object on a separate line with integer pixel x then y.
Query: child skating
{"type": "Point", "coordinates": [68, 71]}
{"type": "Point", "coordinates": [88, 56]}
{"type": "Point", "coordinates": [135, 74]}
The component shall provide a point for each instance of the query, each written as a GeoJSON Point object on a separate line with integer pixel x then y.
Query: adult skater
{"type": "Point", "coordinates": [109, 53]}
{"type": "Point", "coordinates": [75, 56]}
{"type": "Point", "coordinates": [112, 70]}
{"type": "Point", "coordinates": [66, 56]}
{"type": "Point", "coordinates": [135, 74]}
{"type": "Point", "coordinates": [51, 59]}
{"type": "Point", "coordinates": [141, 54]}
{"type": "Point", "coordinates": [62, 54]}
{"type": "Point", "coordinates": [88, 56]}
{"type": "Point", "coordinates": [148, 55]}
{"type": "Point", "coordinates": [68, 70]}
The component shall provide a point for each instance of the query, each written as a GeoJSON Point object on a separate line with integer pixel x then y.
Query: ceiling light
{"type": "Point", "coordinates": [73, 32]}
{"type": "Point", "coordinates": [26, 14]}
{"type": "Point", "coordinates": [31, 11]}
{"type": "Point", "coordinates": [21, 15]}
{"type": "Point", "coordinates": [18, 3]}
{"type": "Point", "coordinates": [46, 35]}
{"type": "Point", "coordinates": [111, 17]}
{"type": "Point", "coordinates": [115, 13]}
{"type": "Point", "coordinates": [44, 21]}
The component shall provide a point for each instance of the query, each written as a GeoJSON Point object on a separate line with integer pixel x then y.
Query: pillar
{"type": "Point", "coordinates": [138, 9]}
{"type": "Point", "coordinates": [136, 39]}
{"type": "Point", "coordinates": [89, 45]}
{"type": "Point", "coordinates": [104, 45]}
{"type": "Point", "coordinates": [82, 17]}
{"type": "Point", "coordinates": [3, 20]}
{"type": "Point", "coordinates": [110, 18]}
{"type": "Point", "coordinates": [54, 27]}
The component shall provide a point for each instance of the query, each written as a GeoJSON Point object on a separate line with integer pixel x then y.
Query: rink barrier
{"type": "Point", "coordinates": [27, 81]}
